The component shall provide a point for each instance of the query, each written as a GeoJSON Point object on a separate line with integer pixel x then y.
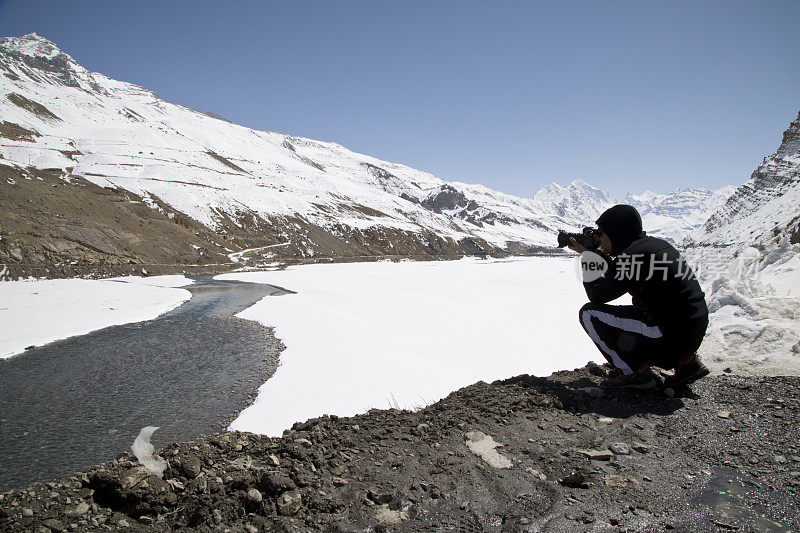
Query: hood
{"type": "Point", "coordinates": [623, 225]}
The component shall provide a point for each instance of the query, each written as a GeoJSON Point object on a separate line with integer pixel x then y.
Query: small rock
{"type": "Point", "coordinates": [389, 517]}
{"type": "Point", "coordinates": [575, 480]}
{"type": "Point", "coordinates": [54, 525]}
{"type": "Point", "coordinates": [523, 521]}
{"type": "Point", "coordinates": [176, 485]}
{"type": "Point", "coordinates": [123, 523]}
{"type": "Point", "coordinates": [724, 414]}
{"type": "Point", "coordinates": [380, 497]}
{"type": "Point", "coordinates": [132, 477]}
{"type": "Point", "coordinates": [254, 496]}
{"type": "Point", "coordinates": [276, 483]}
{"type": "Point", "coordinates": [727, 370]}
{"type": "Point", "coordinates": [27, 513]}
{"type": "Point", "coordinates": [597, 455]}
{"type": "Point", "coordinates": [606, 420]}
{"type": "Point", "coordinates": [536, 473]}
{"type": "Point", "coordinates": [272, 460]}
{"type": "Point", "coordinates": [620, 448]}
{"type": "Point", "coordinates": [190, 466]}
{"type": "Point", "coordinates": [639, 447]}
{"type": "Point", "coordinates": [289, 503]}
{"type": "Point", "coordinates": [780, 459]}
{"type": "Point", "coordinates": [80, 510]}
{"type": "Point", "coordinates": [339, 482]}
{"type": "Point", "coordinates": [617, 482]}
{"type": "Point", "coordinates": [595, 369]}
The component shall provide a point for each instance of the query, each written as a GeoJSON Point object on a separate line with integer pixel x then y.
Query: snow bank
{"type": "Point", "coordinates": [367, 335]}
{"type": "Point", "coordinates": [754, 300]}
{"type": "Point", "coordinates": [38, 312]}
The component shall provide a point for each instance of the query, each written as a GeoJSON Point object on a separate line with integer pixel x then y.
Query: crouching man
{"type": "Point", "coordinates": [668, 319]}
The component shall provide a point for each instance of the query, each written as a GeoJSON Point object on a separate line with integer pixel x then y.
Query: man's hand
{"type": "Point", "coordinates": [575, 246]}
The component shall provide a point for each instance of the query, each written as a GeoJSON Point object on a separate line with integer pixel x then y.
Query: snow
{"type": "Point", "coordinates": [404, 335]}
{"type": "Point", "coordinates": [366, 335]}
{"type": "Point", "coordinates": [168, 281]}
{"type": "Point", "coordinates": [33, 313]}
{"type": "Point", "coordinates": [484, 446]}
{"type": "Point", "coordinates": [118, 134]}
{"type": "Point", "coordinates": [754, 303]}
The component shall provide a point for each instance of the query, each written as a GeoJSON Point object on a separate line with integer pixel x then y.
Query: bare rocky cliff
{"type": "Point", "coordinates": [768, 205]}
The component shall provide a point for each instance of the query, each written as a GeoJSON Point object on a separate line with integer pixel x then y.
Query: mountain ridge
{"type": "Point", "coordinates": [283, 197]}
{"type": "Point", "coordinates": [764, 210]}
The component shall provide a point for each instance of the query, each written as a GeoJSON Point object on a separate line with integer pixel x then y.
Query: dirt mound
{"type": "Point", "coordinates": [722, 457]}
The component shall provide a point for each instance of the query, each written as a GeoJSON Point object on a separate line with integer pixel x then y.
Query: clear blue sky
{"type": "Point", "coordinates": [629, 95]}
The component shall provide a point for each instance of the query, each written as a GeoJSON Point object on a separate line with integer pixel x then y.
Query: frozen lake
{"type": "Point", "coordinates": [364, 335]}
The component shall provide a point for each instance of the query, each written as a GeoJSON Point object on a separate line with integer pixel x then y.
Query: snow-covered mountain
{"type": "Point", "coordinates": [675, 215]}
{"type": "Point", "coordinates": [245, 192]}
{"type": "Point", "coordinates": [766, 209]}
{"type": "Point", "coordinates": [672, 216]}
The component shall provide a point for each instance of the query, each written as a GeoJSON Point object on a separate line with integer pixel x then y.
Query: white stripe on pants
{"type": "Point", "coordinates": [623, 324]}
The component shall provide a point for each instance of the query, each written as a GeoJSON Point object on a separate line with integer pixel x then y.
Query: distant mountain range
{"type": "Point", "coordinates": [96, 171]}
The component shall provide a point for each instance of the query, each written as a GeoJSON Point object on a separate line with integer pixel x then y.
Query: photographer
{"type": "Point", "coordinates": [668, 319]}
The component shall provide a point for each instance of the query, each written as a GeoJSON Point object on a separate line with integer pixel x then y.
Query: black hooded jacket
{"type": "Point", "coordinates": [653, 272]}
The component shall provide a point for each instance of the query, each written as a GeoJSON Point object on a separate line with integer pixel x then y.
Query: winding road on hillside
{"type": "Point", "coordinates": [77, 402]}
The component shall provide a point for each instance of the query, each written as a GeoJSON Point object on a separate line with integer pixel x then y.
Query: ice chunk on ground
{"type": "Point", "coordinates": [484, 446]}
{"type": "Point", "coordinates": [143, 451]}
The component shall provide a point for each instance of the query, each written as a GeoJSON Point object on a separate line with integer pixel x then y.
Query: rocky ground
{"type": "Point", "coordinates": [525, 454]}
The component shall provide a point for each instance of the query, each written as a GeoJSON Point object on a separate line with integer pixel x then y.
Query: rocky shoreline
{"type": "Point", "coordinates": [722, 457]}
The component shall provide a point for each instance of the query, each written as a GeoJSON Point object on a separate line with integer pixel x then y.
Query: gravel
{"type": "Point", "coordinates": [391, 470]}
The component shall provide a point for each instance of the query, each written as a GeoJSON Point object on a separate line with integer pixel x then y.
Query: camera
{"type": "Point", "coordinates": [589, 238]}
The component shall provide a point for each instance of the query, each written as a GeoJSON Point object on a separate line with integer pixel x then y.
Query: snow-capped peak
{"type": "Point", "coordinates": [35, 58]}
{"type": "Point", "coordinates": [32, 45]}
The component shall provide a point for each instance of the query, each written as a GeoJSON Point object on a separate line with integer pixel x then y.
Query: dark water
{"type": "Point", "coordinates": [737, 500]}
{"type": "Point", "coordinates": [81, 401]}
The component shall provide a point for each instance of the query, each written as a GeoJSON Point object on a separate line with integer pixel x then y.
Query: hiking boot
{"type": "Point", "coordinates": [686, 374]}
{"type": "Point", "coordinates": [641, 380]}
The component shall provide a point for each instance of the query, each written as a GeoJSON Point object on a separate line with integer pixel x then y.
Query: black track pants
{"type": "Point", "coordinates": [628, 340]}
